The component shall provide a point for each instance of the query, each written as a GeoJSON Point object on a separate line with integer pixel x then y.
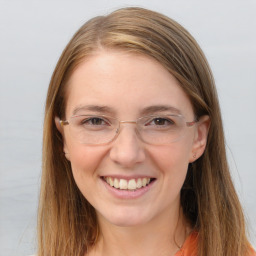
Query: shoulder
{"type": "Point", "coordinates": [189, 248]}
{"type": "Point", "coordinates": [253, 253]}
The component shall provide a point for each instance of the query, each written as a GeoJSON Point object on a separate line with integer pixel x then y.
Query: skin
{"type": "Point", "coordinates": [152, 224]}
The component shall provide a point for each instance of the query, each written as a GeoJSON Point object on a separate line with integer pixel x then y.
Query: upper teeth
{"type": "Point", "coordinates": [131, 184]}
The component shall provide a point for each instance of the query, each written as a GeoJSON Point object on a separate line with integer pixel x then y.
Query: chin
{"type": "Point", "coordinates": [126, 218]}
{"type": "Point", "coordinates": [127, 223]}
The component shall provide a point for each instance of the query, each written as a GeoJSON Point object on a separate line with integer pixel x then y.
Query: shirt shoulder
{"type": "Point", "coordinates": [189, 248]}
{"type": "Point", "coordinates": [253, 253]}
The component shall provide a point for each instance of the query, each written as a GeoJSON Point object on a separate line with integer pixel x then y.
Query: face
{"type": "Point", "coordinates": [124, 86]}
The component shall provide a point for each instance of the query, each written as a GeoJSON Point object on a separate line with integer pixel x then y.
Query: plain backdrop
{"type": "Point", "coordinates": [33, 34]}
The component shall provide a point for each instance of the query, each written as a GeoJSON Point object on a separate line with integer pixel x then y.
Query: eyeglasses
{"type": "Point", "coordinates": [153, 129]}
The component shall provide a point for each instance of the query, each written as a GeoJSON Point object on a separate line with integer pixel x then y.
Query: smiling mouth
{"type": "Point", "coordinates": [131, 184]}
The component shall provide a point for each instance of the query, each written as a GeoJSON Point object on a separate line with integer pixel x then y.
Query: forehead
{"type": "Point", "coordinates": [124, 82]}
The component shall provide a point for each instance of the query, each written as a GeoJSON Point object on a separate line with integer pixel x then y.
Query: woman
{"type": "Point", "coordinates": [134, 159]}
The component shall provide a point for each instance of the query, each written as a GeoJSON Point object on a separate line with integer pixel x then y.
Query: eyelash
{"type": "Point", "coordinates": [169, 121]}
{"type": "Point", "coordinates": [91, 120]}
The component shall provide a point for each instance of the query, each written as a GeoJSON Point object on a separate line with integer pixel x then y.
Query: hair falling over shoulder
{"type": "Point", "coordinates": [67, 223]}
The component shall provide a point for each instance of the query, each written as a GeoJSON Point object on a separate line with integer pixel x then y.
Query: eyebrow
{"type": "Point", "coordinates": [93, 108]}
{"type": "Point", "coordinates": [110, 111]}
{"type": "Point", "coordinates": [160, 108]}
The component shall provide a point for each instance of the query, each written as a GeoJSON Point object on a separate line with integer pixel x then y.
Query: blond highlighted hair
{"type": "Point", "coordinates": [67, 223]}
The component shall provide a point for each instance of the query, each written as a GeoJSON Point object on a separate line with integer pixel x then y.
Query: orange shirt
{"type": "Point", "coordinates": [189, 248]}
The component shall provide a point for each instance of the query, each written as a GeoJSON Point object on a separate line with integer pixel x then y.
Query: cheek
{"type": "Point", "coordinates": [84, 162]}
{"type": "Point", "coordinates": [172, 160]}
{"type": "Point", "coordinates": [171, 163]}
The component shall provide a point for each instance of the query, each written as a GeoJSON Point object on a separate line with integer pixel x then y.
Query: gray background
{"type": "Point", "coordinates": [32, 35]}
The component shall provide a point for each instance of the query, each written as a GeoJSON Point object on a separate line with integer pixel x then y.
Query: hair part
{"type": "Point", "coordinates": [67, 223]}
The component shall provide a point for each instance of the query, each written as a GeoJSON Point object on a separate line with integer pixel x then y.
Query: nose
{"type": "Point", "coordinates": [127, 150]}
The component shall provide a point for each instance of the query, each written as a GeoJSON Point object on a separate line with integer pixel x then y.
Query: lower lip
{"type": "Point", "coordinates": [128, 194]}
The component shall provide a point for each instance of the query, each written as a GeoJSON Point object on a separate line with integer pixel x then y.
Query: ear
{"type": "Point", "coordinates": [200, 139]}
{"type": "Point", "coordinates": [60, 129]}
{"type": "Point", "coordinates": [58, 124]}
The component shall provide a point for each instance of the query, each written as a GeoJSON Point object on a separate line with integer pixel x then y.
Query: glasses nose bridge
{"type": "Point", "coordinates": [118, 130]}
{"type": "Point", "coordinates": [129, 122]}
{"type": "Point", "coordinates": [126, 122]}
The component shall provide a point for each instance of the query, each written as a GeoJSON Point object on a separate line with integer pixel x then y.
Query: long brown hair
{"type": "Point", "coordinates": [67, 223]}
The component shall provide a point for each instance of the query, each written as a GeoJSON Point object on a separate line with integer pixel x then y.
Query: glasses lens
{"type": "Point", "coordinates": [89, 129]}
{"type": "Point", "coordinates": [157, 130]}
{"type": "Point", "coordinates": [161, 130]}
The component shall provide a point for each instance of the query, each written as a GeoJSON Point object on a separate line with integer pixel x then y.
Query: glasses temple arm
{"type": "Point", "coordinates": [62, 123]}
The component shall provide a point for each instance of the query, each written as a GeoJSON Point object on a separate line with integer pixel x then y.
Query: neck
{"type": "Point", "coordinates": [163, 236]}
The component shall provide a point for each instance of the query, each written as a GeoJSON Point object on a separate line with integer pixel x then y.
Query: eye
{"type": "Point", "coordinates": [94, 121]}
{"type": "Point", "coordinates": [160, 121]}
